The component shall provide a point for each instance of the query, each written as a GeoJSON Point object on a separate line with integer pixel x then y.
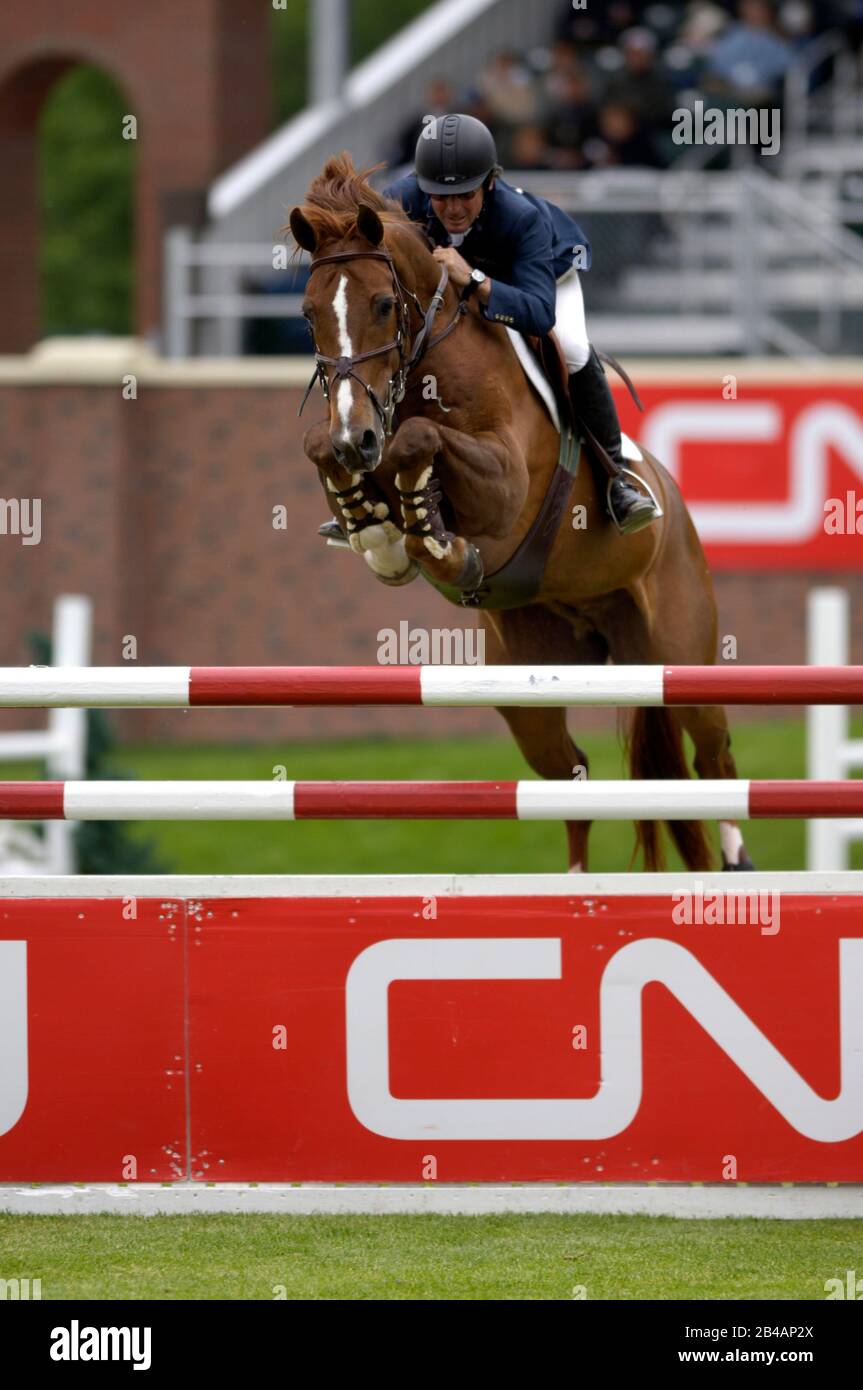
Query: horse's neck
{"type": "Point", "coordinates": [419, 271]}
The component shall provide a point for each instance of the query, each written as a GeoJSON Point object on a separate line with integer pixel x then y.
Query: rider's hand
{"type": "Point", "coordinates": [459, 270]}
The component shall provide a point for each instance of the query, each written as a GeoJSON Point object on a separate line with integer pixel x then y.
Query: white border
{"type": "Point", "coordinates": [714, 1201]}
{"type": "Point", "coordinates": [419, 885]}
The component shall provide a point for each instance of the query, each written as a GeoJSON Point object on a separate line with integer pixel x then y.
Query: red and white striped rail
{"type": "Point", "coordinates": [534, 800]}
{"type": "Point", "coordinates": [157, 687]}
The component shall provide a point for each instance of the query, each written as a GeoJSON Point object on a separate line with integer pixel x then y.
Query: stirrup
{"type": "Point", "coordinates": [642, 482]}
{"type": "Point", "coordinates": [332, 533]}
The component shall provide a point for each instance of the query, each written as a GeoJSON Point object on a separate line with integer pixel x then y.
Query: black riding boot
{"type": "Point", "coordinates": [594, 407]}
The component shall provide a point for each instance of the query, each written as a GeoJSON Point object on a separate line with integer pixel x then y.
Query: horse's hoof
{"type": "Point", "coordinates": [396, 580]}
{"type": "Point", "coordinates": [743, 866]}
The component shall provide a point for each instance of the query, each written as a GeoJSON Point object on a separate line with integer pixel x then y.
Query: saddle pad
{"type": "Point", "coordinates": [535, 376]}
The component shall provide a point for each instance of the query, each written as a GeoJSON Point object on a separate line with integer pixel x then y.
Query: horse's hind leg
{"type": "Point", "coordinates": [690, 640]}
{"type": "Point", "coordinates": [707, 726]}
{"type": "Point", "coordinates": [531, 635]}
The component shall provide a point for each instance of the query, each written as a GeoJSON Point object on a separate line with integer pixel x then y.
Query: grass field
{"type": "Point", "coordinates": [763, 750]}
{"type": "Point", "coordinates": [427, 1257]}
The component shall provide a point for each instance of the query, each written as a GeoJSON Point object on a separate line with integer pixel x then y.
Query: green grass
{"type": "Point", "coordinates": [762, 750]}
{"type": "Point", "coordinates": [427, 1257]}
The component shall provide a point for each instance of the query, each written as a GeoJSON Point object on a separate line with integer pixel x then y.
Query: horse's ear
{"type": "Point", "coordinates": [370, 225]}
{"type": "Point", "coordinates": [302, 230]}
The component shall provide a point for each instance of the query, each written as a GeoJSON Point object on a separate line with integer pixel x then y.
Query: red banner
{"type": "Point", "coordinates": [508, 1038]}
{"type": "Point", "coordinates": [92, 1049]}
{"type": "Point", "coordinates": [774, 478]}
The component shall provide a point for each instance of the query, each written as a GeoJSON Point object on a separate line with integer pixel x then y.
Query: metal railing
{"type": "Point", "coordinates": [836, 106]}
{"type": "Point", "coordinates": [688, 261]}
{"type": "Point", "coordinates": [225, 304]}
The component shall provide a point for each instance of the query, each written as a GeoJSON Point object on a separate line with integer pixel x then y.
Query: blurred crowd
{"type": "Point", "coordinates": [603, 94]}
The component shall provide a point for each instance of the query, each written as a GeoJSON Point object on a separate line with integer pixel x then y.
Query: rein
{"type": "Point", "coordinates": [344, 367]}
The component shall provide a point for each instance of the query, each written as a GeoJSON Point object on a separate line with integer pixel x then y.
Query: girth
{"type": "Point", "coordinates": [519, 579]}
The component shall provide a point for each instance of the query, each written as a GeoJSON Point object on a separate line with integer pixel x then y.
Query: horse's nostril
{"type": "Point", "coordinates": [369, 444]}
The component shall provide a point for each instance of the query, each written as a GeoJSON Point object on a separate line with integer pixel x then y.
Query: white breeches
{"type": "Point", "coordinates": [569, 324]}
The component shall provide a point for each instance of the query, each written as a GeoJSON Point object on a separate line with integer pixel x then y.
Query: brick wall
{"type": "Point", "coordinates": [161, 509]}
{"type": "Point", "coordinates": [196, 75]}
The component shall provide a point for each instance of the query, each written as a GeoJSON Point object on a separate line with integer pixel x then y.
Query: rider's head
{"type": "Point", "coordinates": [456, 163]}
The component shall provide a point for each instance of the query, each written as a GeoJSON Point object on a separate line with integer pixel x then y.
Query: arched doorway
{"type": "Point", "coordinates": [86, 162]}
{"type": "Point", "coordinates": [194, 75]}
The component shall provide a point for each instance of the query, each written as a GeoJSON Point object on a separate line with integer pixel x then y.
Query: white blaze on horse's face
{"type": "Point", "coordinates": [354, 425]}
{"type": "Point", "coordinates": [345, 389]}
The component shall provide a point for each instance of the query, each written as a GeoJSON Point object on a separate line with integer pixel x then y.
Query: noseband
{"type": "Point", "coordinates": [344, 367]}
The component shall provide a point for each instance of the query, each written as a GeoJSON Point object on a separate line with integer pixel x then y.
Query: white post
{"type": "Point", "coordinates": [330, 26]}
{"type": "Point", "coordinates": [177, 275]}
{"type": "Point", "coordinates": [830, 754]}
{"type": "Point", "coordinates": [71, 646]}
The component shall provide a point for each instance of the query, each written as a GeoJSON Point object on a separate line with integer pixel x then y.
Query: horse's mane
{"type": "Point", "coordinates": [336, 195]}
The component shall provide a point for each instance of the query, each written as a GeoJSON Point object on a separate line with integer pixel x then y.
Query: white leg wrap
{"type": "Point", "coordinates": [391, 561]}
{"type": "Point", "coordinates": [731, 841]}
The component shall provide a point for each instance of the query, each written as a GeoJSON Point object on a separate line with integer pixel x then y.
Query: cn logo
{"type": "Point", "coordinates": [616, 1103]}
{"type": "Point", "coordinates": [13, 1032]}
{"type": "Point", "coordinates": [817, 430]}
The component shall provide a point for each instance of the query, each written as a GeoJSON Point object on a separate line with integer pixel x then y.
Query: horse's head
{"type": "Point", "coordinates": [356, 307]}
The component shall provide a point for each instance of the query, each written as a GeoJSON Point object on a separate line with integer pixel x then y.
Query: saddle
{"type": "Point", "coordinates": [518, 581]}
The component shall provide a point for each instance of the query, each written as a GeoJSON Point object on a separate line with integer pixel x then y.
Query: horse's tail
{"type": "Point", "coordinates": [655, 746]}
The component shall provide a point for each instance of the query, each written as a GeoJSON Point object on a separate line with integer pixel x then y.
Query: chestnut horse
{"type": "Point", "coordinates": [436, 456]}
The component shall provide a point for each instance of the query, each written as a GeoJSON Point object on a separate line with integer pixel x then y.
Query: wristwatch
{"type": "Point", "coordinates": [478, 277]}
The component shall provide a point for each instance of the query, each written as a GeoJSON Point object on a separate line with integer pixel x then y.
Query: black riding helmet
{"type": "Point", "coordinates": [454, 154]}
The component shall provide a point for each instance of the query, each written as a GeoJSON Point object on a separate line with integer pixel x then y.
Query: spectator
{"type": "Point", "coordinates": [554, 83]}
{"type": "Point", "coordinates": [439, 99]}
{"type": "Point", "coordinates": [702, 27]}
{"type": "Point", "coordinates": [639, 84]}
{"type": "Point", "coordinates": [508, 88]}
{"type": "Point", "coordinates": [510, 97]}
{"type": "Point", "coordinates": [597, 23]}
{"type": "Point", "coordinates": [570, 117]}
{"type": "Point", "coordinates": [749, 60]}
{"type": "Point", "coordinates": [529, 149]}
{"type": "Point", "coordinates": [796, 21]}
{"type": "Point", "coordinates": [621, 141]}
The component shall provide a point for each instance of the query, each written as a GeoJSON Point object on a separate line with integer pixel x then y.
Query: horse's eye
{"type": "Point", "coordinates": [385, 307]}
{"type": "Point", "coordinates": [307, 312]}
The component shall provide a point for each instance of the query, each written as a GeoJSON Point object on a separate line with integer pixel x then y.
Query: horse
{"type": "Point", "coordinates": [438, 457]}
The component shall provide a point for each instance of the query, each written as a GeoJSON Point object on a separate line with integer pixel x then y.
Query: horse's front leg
{"type": "Point", "coordinates": [357, 502]}
{"type": "Point", "coordinates": [480, 481]}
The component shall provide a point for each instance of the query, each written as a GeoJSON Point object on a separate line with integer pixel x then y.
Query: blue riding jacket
{"type": "Point", "coordinates": [523, 243]}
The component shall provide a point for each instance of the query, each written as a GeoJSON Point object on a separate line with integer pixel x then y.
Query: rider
{"type": "Point", "coordinates": [519, 251]}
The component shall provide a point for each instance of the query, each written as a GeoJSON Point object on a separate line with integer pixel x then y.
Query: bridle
{"type": "Point", "coordinates": [409, 355]}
